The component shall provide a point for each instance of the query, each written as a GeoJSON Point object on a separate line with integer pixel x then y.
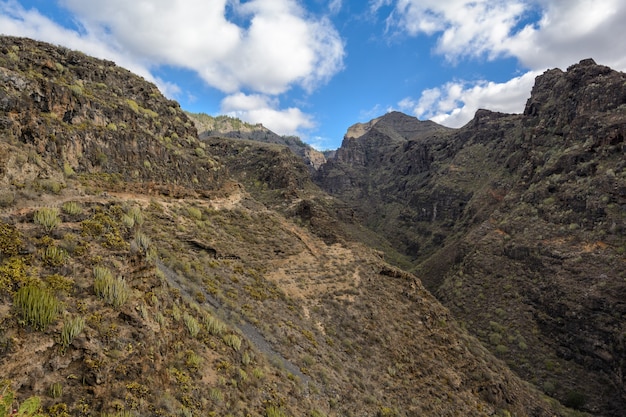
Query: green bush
{"type": "Point", "coordinates": [143, 242]}
{"type": "Point", "coordinates": [54, 256]}
{"type": "Point", "coordinates": [273, 411]}
{"type": "Point", "coordinates": [73, 208]}
{"type": "Point", "coordinates": [232, 341]}
{"type": "Point", "coordinates": [13, 274]}
{"type": "Point", "coordinates": [194, 213]}
{"type": "Point", "coordinates": [137, 216]}
{"type": "Point", "coordinates": [101, 272]}
{"type": "Point", "coordinates": [214, 326]}
{"type": "Point", "coordinates": [71, 328]}
{"type": "Point", "coordinates": [192, 324]}
{"type": "Point", "coordinates": [216, 395]}
{"type": "Point", "coordinates": [113, 291]}
{"type": "Point", "coordinates": [10, 240]}
{"type": "Point", "coordinates": [48, 218]}
{"type": "Point", "coordinates": [56, 390]}
{"type": "Point", "coordinates": [39, 307]}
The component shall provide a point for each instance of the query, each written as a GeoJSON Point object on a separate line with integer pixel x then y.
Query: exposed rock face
{"type": "Point", "coordinates": [516, 223]}
{"type": "Point", "coordinates": [95, 117]}
{"type": "Point", "coordinates": [229, 127]}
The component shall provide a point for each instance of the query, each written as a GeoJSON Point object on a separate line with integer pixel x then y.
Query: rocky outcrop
{"type": "Point", "coordinates": [230, 127]}
{"type": "Point", "coordinates": [92, 117]}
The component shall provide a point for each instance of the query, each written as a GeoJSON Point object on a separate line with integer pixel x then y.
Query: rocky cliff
{"type": "Point", "coordinates": [516, 222]}
{"type": "Point", "coordinates": [230, 127]}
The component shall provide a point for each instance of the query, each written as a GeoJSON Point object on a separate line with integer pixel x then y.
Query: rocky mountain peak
{"type": "Point", "coordinates": [359, 129]}
{"type": "Point", "coordinates": [584, 89]}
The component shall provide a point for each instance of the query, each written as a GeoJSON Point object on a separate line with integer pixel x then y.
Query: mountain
{"type": "Point", "coordinates": [140, 275]}
{"type": "Point", "coordinates": [231, 127]}
{"type": "Point", "coordinates": [515, 222]}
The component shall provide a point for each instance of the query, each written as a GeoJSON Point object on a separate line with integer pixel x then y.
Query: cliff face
{"type": "Point", "coordinates": [516, 223]}
{"type": "Point", "coordinates": [230, 127]}
{"type": "Point", "coordinates": [94, 117]}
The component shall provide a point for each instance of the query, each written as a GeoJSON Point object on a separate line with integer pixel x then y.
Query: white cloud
{"type": "Point", "coordinates": [465, 28]}
{"type": "Point", "coordinates": [569, 31]}
{"type": "Point", "coordinates": [455, 103]}
{"type": "Point", "coordinates": [563, 33]}
{"type": "Point", "coordinates": [334, 6]}
{"type": "Point", "coordinates": [277, 46]}
{"type": "Point", "coordinates": [540, 34]}
{"type": "Point", "coordinates": [258, 108]}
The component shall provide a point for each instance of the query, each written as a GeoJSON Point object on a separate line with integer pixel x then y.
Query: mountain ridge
{"type": "Point", "coordinates": [497, 219]}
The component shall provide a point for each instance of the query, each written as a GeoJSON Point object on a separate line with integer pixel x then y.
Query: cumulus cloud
{"type": "Point", "coordinates": [563, 32]}
{"type": "Point", "coordinates": [540, 34]}
{"type": "Point", "coordinates": [569, 31]}
{"type": "Point", "coordinates": [465, 28]}
{"type": "Point", "coordinates": [455, 103]}
{"type": "Point", "coordinates": [276, 45]}
{"type": "Point", "coordinates": [259, 108]}
{"type": "Point", "coordinates": [334, 6]}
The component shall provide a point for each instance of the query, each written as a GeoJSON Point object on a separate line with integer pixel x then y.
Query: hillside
{"type": "Point", "coordinates": [515, 222]}
{"type": "Point", "coordinates": [230, 127]}
{"type": "Point", "coordinates": [138, 276]}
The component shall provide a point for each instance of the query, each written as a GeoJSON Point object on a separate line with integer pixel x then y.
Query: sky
{"type": "Point", "coordinates": [313, 68]}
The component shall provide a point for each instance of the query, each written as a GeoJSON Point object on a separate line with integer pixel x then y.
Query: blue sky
{"type": "Point", "coordinates": [313, 68]}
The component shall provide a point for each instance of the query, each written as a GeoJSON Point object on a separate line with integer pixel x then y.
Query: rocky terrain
{"type": "Point", "coordinates": [144, 271]}
{"type": "Point", "coordinates": [230, 127]}
{"type": "Point", "coordinates": [515, 222]}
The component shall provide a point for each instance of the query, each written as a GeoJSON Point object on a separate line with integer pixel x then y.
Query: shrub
{"type": "Point", "coordinates": [73, 208]}
{"type": "Point", "coordinates": [193, 360]}
{"type": "Point", "coordinates": [56, 390]}
{"type": "Point", "coordinates": [101, 272]}
{"type": "Point", "coordinates": [233, 341]}
{"type": "Point", "coordinates": [575, 399]}
{"type": "Point", "coordinates": [76, 89]}
{"type": "Point", "coordinates": [137, 216]}
{"type": "Point", "coordinates": [48, 218]}
{"type": "Point", "coordinates": [71, 328]}
{"type": "Point", "coordinates": [10, 240]}
{"type": "Point", "coordinates": [39, 307]}
{"type": "Point", "coordinates": [216, 395]}
{"type": "Point", "coordinates": [128, 221]}
{"type": "Point", "coordinates": [273, 411]}
{"type": "Point", "coordinates": [68, 171]}
{"type": "Point", "coordinates": [113, 291]}
{"type": "Point", "coordinates": [192, 324]}
{"type": "Point", "coordinates": [194, 213]}
{"type": "Point", "coordinates": [13, 274]}
{"type": "Point", "coordinates": [54, 256]}
{"type": "Point", "coordinates": [7, 199]}
{"type": "Point", "coordinates": [59, 284]}
{"type": "Point", "coordinates": [142, 244]}
{"type": "Point", "coordinates": [214, 325]}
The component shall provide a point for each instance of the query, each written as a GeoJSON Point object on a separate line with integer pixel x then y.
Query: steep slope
{"type": "Point", "coordinates": [164, 288]}
{"type": "Point", "coordinates": [517, 223]}
{"type": "Point", "coordinates": [230, 127]}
